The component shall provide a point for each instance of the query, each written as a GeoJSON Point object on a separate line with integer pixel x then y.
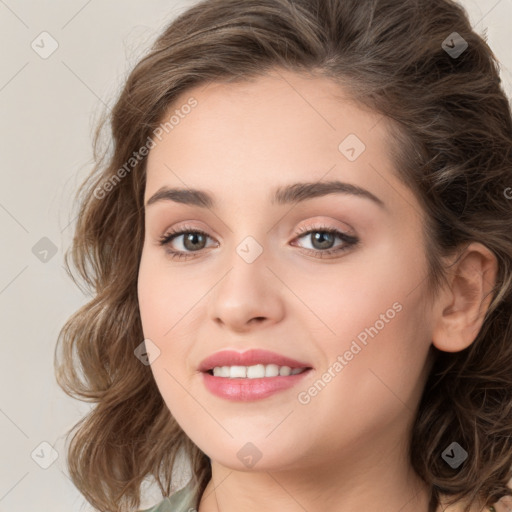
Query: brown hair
{"type": "Point", "coordinates": [451, 127]}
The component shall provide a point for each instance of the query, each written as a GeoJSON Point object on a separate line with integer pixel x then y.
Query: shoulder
{"type": "Point", "coordinates": [504, 505]}
{"type": "Point", "coordinates": [500, 506]}
{"type": "Point", "coordinates": [183, 500]}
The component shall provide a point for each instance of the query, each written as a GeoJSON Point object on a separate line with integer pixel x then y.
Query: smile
{"type": "Point", "coordinates": [257, 371]}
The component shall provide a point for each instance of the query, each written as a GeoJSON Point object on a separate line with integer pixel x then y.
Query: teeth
{"type": "Point", "coordinates": [258, 371]}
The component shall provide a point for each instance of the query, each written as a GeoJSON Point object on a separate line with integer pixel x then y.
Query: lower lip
{"type": "Point", "coordinates": [245, 390]}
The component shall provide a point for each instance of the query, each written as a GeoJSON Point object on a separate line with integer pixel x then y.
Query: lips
{"type": "Point", "coordinates": [248, 358]}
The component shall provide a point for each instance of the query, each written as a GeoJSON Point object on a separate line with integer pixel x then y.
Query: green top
{"type": "Point", "coordinates": [184, 500]}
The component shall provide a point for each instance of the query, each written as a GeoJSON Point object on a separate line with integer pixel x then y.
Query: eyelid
{"type": "Point", "coordinates": [325, 226]}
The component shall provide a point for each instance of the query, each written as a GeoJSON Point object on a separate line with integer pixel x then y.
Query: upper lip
{"type": "Point", "coordinates": [248, 358]}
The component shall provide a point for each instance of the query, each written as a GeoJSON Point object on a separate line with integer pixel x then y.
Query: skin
{"type": "Point", "coordinates": [346, 449]}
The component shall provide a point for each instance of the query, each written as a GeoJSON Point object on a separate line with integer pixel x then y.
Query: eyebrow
{"type": "Point", "coordinates": [283, 195]}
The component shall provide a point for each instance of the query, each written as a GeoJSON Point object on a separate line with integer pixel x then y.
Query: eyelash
{"type": "Point", "coordinates": [349, 240]}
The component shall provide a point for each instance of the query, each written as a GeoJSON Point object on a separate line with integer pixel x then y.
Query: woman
{"type": "Point", "coordinates": [341, 337]}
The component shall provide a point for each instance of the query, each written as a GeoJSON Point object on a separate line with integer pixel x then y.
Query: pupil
{"type": "Point", "coordinates": [191, 238]}
{"type": "Point", "coordinates": [321, 236]}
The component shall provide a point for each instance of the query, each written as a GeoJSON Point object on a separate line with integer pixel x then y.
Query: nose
{"type": "Point", "coordinates": [248, 295]}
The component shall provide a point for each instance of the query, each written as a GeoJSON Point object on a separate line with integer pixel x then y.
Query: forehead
{"type": "Point", "coordinates": [278, 128]}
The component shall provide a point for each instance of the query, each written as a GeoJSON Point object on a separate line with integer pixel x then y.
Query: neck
{"type": "Point", "coordinates": [382, 486]}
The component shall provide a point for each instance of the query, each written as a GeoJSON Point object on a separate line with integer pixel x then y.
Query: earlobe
{"type": "Point", "coordinates": [463, 303]}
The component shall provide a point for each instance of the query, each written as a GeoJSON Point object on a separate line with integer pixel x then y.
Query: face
{"type": "Point", "coordinates": [333, 280]}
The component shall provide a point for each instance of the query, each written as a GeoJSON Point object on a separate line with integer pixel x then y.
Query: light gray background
{"type": "Point", "coordinates": [48, 112]}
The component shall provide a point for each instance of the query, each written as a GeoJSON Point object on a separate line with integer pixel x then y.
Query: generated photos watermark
{"type": "Point", "coordinates": [305, 397]}
{"type": "Point", "coordinates": [137, 156]}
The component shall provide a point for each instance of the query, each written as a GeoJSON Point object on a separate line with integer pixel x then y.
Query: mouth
{"type": "Point", "coordinates": [252, 383]}
{"type": "Point", "coordinates": [257, 371]}
{"type": "Point", "coordinates": [251, 364]}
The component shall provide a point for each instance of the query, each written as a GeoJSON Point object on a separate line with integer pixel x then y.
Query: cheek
{"type": "Point", "coordinates": [340, 301]}
{"type": "Point", "coordinates": [166, 296]}
{"type": "Point", "coordinates": [384, 347]}
{"type": "Point", "coordinates": [372, 314]}
{"type": "Point", "coordinates": [171, 308]}
{"type": "Point", "coordinates": [161, 306]}
{"type": "Point", "coordinates": [373, 376]}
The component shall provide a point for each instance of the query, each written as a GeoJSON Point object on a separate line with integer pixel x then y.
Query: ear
{"type": "Point", "coordinates": [462, 305]}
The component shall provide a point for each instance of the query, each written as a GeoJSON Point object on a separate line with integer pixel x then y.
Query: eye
{"type": "Point", "coordinates": [323, 239]}
{"type": "Point", "coordinates": [192, 242]}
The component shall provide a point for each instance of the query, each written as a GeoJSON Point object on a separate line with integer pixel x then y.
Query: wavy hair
{"type": "Point", "coordinates": [451, 143]}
